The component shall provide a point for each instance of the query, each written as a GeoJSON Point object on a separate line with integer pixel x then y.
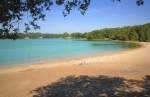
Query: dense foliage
{"type": "Point", "coordinates": [131, 33]}
{"type": "Point", "coordinates": [12, 12]}
{"type": "Point", "coordinates": [33, 35]}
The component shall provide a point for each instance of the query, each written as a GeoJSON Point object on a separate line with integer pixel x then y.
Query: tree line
{"type": "Point", "coordinates": [31, 35]}
{"type": "Point", "coordinates": [12, 12]}
{"type": "Point", "coordinates": [128, 33]}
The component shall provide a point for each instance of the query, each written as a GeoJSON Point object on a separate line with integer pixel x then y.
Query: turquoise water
{"type": "Point", "coordinates": [14, 52]}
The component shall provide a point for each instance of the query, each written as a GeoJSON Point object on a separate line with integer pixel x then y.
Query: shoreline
{"type": "Point", "coordinates": [130, 64]}
{"type": "Point", "coordinates": [47, 60]}
{"type": "Point", "coordinates": [29, 66]}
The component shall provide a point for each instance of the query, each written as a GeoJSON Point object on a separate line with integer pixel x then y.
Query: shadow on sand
{"type": "Point", "coordinates": [101, 86]}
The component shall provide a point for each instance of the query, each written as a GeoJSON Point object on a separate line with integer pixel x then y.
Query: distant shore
{"type": "Point", "coordinates": [20, 81]}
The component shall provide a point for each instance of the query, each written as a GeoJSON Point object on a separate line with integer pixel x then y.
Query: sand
{"type": "Point", "coordinates": [19, 81]}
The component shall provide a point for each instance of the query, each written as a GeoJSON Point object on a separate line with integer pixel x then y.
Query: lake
{"type": "Point", "coordinates": [13, 52]}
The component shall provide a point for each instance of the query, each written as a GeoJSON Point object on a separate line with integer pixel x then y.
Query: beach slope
{"type": "Point", "coordinates": [20, 81]}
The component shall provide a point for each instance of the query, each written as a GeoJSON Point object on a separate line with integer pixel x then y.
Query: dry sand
{"type": "Point", "coordinates": [20, 81]}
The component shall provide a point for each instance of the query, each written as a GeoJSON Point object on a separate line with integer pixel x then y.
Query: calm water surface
{"type": "Point", "coordinates": [14, 52]}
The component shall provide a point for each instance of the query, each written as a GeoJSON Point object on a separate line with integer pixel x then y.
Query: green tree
{"type": "Point", "coordinates": [134, 33]}
{"type": "Point", "coordinates": [12, 11]}
{"type": "Point", "coordinates": [65, 35]}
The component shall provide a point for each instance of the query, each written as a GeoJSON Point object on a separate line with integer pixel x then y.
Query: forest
{"type": "Point", "coordinates": [128, 33]}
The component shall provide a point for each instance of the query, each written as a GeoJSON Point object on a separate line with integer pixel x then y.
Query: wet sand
{"type": "Point", "coordinates": [20, 81]}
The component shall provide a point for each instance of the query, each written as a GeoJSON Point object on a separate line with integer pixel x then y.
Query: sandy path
{"type": "Point", "coordinates": [19, 81]}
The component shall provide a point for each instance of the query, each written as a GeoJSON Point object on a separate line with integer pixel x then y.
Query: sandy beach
{"type": "Point", "coordinates": [20, 81]}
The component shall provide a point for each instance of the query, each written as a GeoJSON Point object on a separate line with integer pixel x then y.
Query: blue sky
{"type": "Point", "coordinates": [101, 14]}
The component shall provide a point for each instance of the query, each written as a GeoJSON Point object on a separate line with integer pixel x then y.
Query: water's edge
{"type": "Point", "coordinates": [133, 46]}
